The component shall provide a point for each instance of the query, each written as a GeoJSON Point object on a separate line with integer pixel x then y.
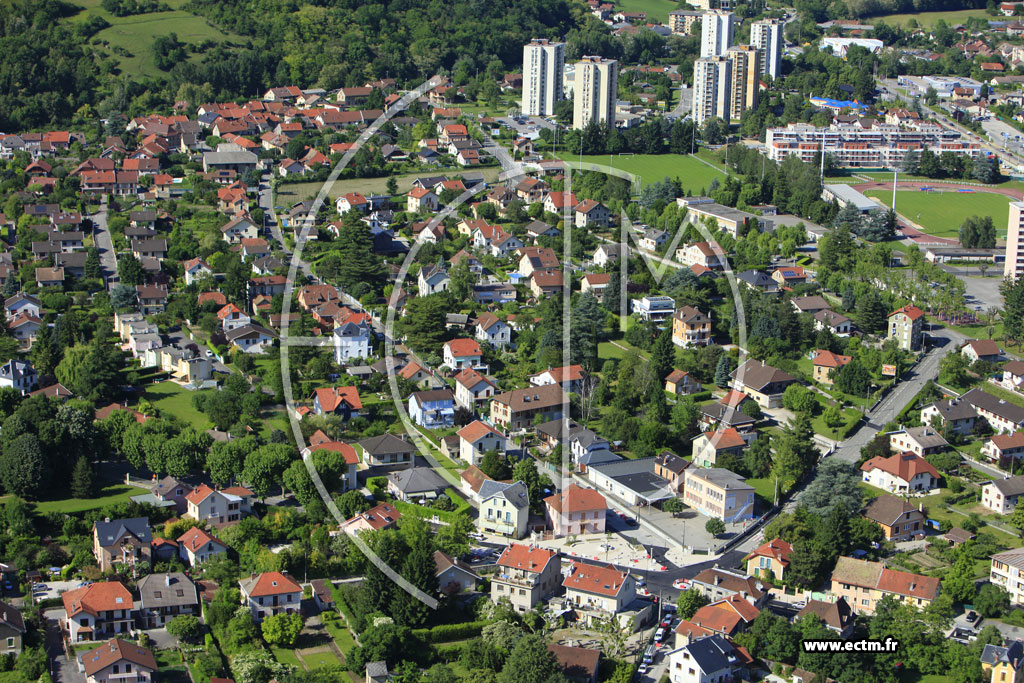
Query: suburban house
{"type": "Point", "coordinates": [432, 279]}
{"type": "Point", "coordinates": [598, 592]}
{"type": "Point", "coordinates": [526, 575]}
{"type": "Point", "coordinates": [569, 377]}
{"type": "Point", "coordinates": [983, 350]}
{"type": "Point", "coordinates": [811, 304]}
{"type": "Point", "coordinates": [1001, 446]}
{"type": "Point", "coordinates": [1003, 663]}
{"type": "Point", "coordinates": [709, 445]}
{"type": "Point", "coordinates": [432, 409]}
{"type": "Point", "coordinates": [416, 484]}
{"type": "Point", "coordinates": [342, 401]}
{"type": "Point", "coordinates": [454, 576]}
{"type": "Point", "coordinates": [671, 468]}
{"type": "Point", "coordinates": [472, 389]}
{"type": "Point", "coordinates": [681, 383]}
{"type": "Point", "coordinates": [121, 541]}
{"type": "Point", "coordinates": [761, 382]}
{"type": "Point", "coordinates": [591, 213]}
{"type": "Point", "coordinates": [12, 630]}
{"type": "Point", "coordinates": [906, 326]}
{"type": "Point", "coordinates": [504, 508]}
{"type": "Point", "coordinates": [576, 510]}
{"type": "Point", "coordinates": [517, 409]}
{"type": "Point", "coordinates": [727, 617]}
{"type": "Point", "coordinates": [718, 493]}
{"type": "Point", "coordinates": [900, 520]}
{"type": "Point", "coordinates": [920, 441]}
{"type": "Point", "coordinates": [711, 659]}
{"type": "Point", "coordinates": [953, 415]}
{"type": "Point", "coordinates": [770, 559]}
{"type": "Point", "coordinates": [214, 507]}
{"type": "Point", "coordinates": [18, 375]}
{"type": "Point", "coordinates": [383, 516]}
{"type": "Point", "coordinates": [836, 616]}
{"type": "Point", "coordinates": [118, 661]}
{"type": "Point", "coordinates": [1013, 375]}
{"type": "Point", "coordinates": [656, 308]}
{"type": "Point", "coordinates": [421, 199]}
{"type": "Point", "coordinates": [197, 546]}
{"type": "Point", "coordinates": [165, 596]}
{"type": "Point", "coordinates": [578, 664]}
{"type": "Point", "coordinates": [1001, 495]}
{"type": "Point", "coordinates": [1002, 415]}
{"type": "Point", "coordinates": [690, 327]}
{"type": "Point", "coordinates": [837, 323]}
{"type": "Point", "coordinates": [387, 451]}
{"type": "Point", "coordinates": [705, 254]}
{"type": "Point", "coordinates": [824, 362]}
{"type": "Point", "coordinates": [239, 228]}
{"type": "Point", "coordinates": [463, 353]}
{"type": "Point", "coordinates": [900, 473]}
{"type": "Point", "coordinates": [863, 583]}
{"type": "Point", "coordinates": [715, 584]}
{"type": "Point", "coordinates": [98, 611]}
{"type": "Point", "coordinates": [493, 330]}
{"type": "Point", "coordinates": [607, 254]}
{"type": "Point", "coordinates": [1007, 571]}
{"type": "Point", "coordinates": [270, 593]}
{"type": "Point", "coordinates": [476, 439]}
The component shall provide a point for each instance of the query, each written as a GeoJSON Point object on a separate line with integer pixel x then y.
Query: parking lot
{"type": "Point", "coordinates": [53, 589]}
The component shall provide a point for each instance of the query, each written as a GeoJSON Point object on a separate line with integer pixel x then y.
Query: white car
{"type": "Point", "coordinates": [681, 584]}
{"type": "Point", "coordinates": [659, 635]}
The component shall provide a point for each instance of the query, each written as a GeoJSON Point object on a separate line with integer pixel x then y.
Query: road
{"type": "Point", "coordinates": [105, 245]}
{"type": "Point", "coordinates": [685, 104]}
{"type": "Point", "coordinates": [62, 669]}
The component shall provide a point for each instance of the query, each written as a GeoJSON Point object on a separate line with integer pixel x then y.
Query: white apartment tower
{"type": "Point", "coordinates": [595, 89]}
{"type": "Point", "coordinates": [716, 33]}
{"type": "Point", "coordinates": [1015, 242]}
{"type": "Point", "coordinates": [766, 36]}
{"type": "Point", "coordinates": [543, 64]}
{"type": "Point", "coordinates": [744, 80]}
{"type": "Point", "coordinates": [712, 81]}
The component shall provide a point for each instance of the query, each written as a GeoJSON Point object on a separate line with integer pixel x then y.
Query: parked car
{"type": "Point", "coordinates": [971, 617]}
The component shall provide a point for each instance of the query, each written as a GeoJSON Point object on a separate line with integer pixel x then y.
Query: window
{"type": "Point", "coordinates": [10, 642]}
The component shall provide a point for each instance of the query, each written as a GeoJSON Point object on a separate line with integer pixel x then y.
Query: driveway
{"type": "Point", "coordinates": [62, 669]}
{"type": "Point", "coordinates": [105, 245]}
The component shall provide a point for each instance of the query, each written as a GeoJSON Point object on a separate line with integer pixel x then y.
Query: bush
{"type": "Point", "coordinates": [185, 627]}
{"type": "Point", "coordinates": [445, 633]}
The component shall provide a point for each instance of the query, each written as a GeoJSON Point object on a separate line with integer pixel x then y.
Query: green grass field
{"type": "Point", "coordinates": [115, 493]}
{"type": "Point", "coordinates": [136, 33]}
{"type": "Point", "coordinates": [941, 213]}
{"type": "Point", "coordinates": [171, 399]}
{"type": "Point", "coordinates": [317, 660]}
{"type": "Point", "coordinates": [655, 9]}
{"type": "Point", "coordinates": [929, 18]}
{"type": "Point", "coordinates": [286, 657]}
{"type": "Point", "coordinates": [291, 193]}
{"type": "Point", "coordinates": [693, 174]}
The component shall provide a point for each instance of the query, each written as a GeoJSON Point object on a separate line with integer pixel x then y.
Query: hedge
{"type": "Point", "coordinates": [445, 633]}
{"type": "Point", "coordinates": [428, 512]}
{"type": "Point", "coordinates": [449, 653]}
{"type": "Point", "coordinates": [699, 396]}
{"type": "Point", "coordinates": [461, 504]}
{"type": "Point", "coordinates": [346, 611]}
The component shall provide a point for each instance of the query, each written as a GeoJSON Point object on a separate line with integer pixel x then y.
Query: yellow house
{"type": "Point", "coordinates": [863, 583]}
{"type": "Point", "coordinates": [1004, 663]}
{"type": "Point", "coordinates": [772, 556]}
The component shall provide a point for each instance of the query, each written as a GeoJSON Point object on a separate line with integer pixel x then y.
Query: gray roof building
{"type": "Point", "coordinates": [110, 531]}
{"type": "Point", "coordinates": [416, 482]}
{"type": "Point", "coordinates": [167, 590]}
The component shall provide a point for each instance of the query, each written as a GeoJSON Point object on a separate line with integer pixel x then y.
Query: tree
{"type": "Point", "coordinates": [723, 370]}
{"type": "Point", "coordinates": [123, 297]}
{"type": "Point", "coordinates": [281, 630]}
{"type": "Point", "coordinates": [612, 297]}
{"type": "Point", "coordinates": [673, 506]}
{"type": "Point", "coordinates": [853, 378]}
{"type": "Point", "coordinates": [185, 627]}
{"type": "Point", "coordinates": [833, 418]}
{"type": "Point", "coordinates": [871, 313]}
{"type": "Point", "coordinates": [130, 271]}
{"type": "Point", "coordinates": [836, 483]}
{"type": "Point", "coordinates": [23, 466]}
{"type": "Point", "coordinates": [992, 601]}
{"type": "Point", "coordinates": [958, 582]}
{"type": "Point", "coordinates": [690, 601]}
{"type": "Point", "coordinates": [715, 526]}
{"type": "Point", "coordinates": [360, 268]}
{"type": "Point", "coordinates": [83, 480]}
{"type": "Point", "coordinates": [662, 355]}
{"type": "Point", "coordinates": [799, 399]}
{"type": "Point", "coordinates": [978, 232]}
{"type": "Point", "coordinates": [264, 467]}
{"type": "Point", "coordinates": [531, 662]}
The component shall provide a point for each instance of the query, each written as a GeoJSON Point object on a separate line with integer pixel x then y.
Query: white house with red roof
{"type": "Point", "coordinates": [592, 214]}
{"type": "Point", "coordinates": [232, 317]}
{"type": "Point", "coordinates": [576, 510]}
{"type": "Point", "coordinates": [982, 349]}
{"type": "Point", "coordinates": [472, 388]}
{"type": "Point", "coordinates": [772, 557]}
{"type": "Point", "coordinates": [526, 575]}
{"type": "Point", "coordinates": [383, 516]}
{"type": "Point", "coordinates": [98, 611]}
{"type": "Point", "coordinates": [598, 592]}
{"type": "Point", "coordinates": [709, 446]}
{"type": "Point", "coordinates": [195, 269]}
{"type": "Point", "coordinates": [270, 593]}
{"type": "Point", "coordinates": [569, 377]}
{"type": "Point", "coordinates": [196, 546]}
{"type": "Point", "coordinates": [901, 473]}
{"type": "Point", "coordinates": [420, 199]}
{"type": "Point", "coordinates": [205, 504]}
{"type": "Point", "coordinates": [353, 201]}
{"type": "Point", "coordinates": [463, 353]}
{"type": "Point", "coordinates": [343, 401]}
{"type": "Point", "coordinates": [706, 254]}
{"type": "Point", "coordinates": [349, 477]}
{"type": "Point", "coordinates": [119, 661]}
{"type": "Point", "coordinates": [477, 438]}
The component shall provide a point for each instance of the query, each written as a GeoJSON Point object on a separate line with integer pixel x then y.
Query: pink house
{"type": "Point", "coordinates": [576, 510]}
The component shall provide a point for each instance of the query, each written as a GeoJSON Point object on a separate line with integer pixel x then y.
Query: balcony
{"type": "Point", "coordinates": [515, 580]}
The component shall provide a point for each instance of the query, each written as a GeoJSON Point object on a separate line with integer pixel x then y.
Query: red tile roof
{"type": "Point", "coordinates": [380, 517]}
{"type": "Point", "coordinates": [575, 498]}
{"type": "Point", "coordinates": [607, 581]}
{"type": "Point", "coordinates": [726, 616]}
{"type": "Point", "coordinates": [463, 347]}
{"type": "Point", "coordinates": [906, 466]}
{"type": "Point", "coordinates": [912, 312]}
{"type": "Point", "coordinates": [105, 596]}
{"type": "Point", "coordinates": [725, 438]}
{"type": "Point", "coordinates": [346, 450]}
{"type": "Point", "coordinates": [271, 583]}
{"type": "Point", "coordinates": [826, 358]}
{"type": "Point", "coordinates": [776, 548]}
{"type": "Point", "coordinates": [1007, 441]}
{"type": "Point", "coordinates": [196, 538]}
{"type": "Point", "coordinates": [199, 494]}
{"type": "Point", "coordinates": [526, 557]}
{"type": "Point", "coordinates": [115, 651]}
{"type": "Point", "coordinates": [476, 430]}
{"type": "Point", "coordinates": [332, 397]}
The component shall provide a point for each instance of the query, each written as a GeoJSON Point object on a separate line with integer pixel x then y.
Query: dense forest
{"type": "Point", "coordinates": [49, 70]}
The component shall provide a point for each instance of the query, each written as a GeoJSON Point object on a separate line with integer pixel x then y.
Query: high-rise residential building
{"type": "Point", "coordinates": [712, 78]}
{"type": "Point", "coordinates": [1015, 242]}
{"type": "Point", "coordinates": [744, 80]}
{"type": "Point", "coordinates": [543, 64]}
{"type": "Point", "coordinates": [716, 33]}
{"type": "Point", "coordinates": [595, 89]}
{"type": "Point", "coordinates": [682, 21]}
{"type": "Point", "coordinates": [766, 36]}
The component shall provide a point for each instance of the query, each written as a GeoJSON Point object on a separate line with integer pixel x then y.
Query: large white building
{"type": "Point", "coordinates": [543, 64]}
{"type": "Point", "coordinates": [766, 36]}
{"type": "Point", "coordinates": [880, 145]}
{"type": "Point", "coordinates": [744, 80]}
{"type": "Point", "coordinates": [1015, 241]}
{"type": "Point", "coordinates": [716, 33]}
{"type": "Point", "coordinates": [712, 80]}
{"type": "Point", "coordinates": [595, 87]}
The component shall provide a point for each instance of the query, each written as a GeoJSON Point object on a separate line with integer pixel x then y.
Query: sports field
{"type": "Point", "coordinates": [941, 213]}
{"type": "Point", "coordinates": [693, 174]}
{"type": "Point", "coordinates": [135, 34]}
{"type": "Point", "coordinates": [927, 19]}
{"type": "Point", "coordinates": [655, 9]}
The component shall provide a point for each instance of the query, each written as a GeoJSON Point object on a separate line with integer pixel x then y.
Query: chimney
{"type": "Point", "coordinates": [167, 579]}
{"type": "Point", "coordinates": [107, 520]}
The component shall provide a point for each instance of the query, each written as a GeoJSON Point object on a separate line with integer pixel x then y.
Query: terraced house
{"type": "Point", "coordinates": [863, 583]}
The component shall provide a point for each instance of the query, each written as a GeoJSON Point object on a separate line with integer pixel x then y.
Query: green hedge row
{"type": "Point", "coordinates": [346, 611]}
{"type": "Point", "coordinates": [445, 633]}
{"type": "Point", "coordinates": [427, 512]}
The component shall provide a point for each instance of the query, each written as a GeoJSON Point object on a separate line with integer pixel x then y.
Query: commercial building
{"type": "Point", "coordinates": [712, 80]}
{"type": "Point", "coordinates": [716, 33]}
{"type": "Point", "coordinates": [862, 145]}
{"type": "Point", "coordinates": [543, 64]}
{"type": "Point", "coordinates": [766, 36]}
{"type": "Point", "coordinates": [1014, 265]}
{"type": "Point", "coordinates": [595, 88]}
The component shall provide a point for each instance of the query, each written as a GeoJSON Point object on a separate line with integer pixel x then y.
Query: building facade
{"type": "Point", "coordinates": [766, 36]}
{"type": "Point", "coordinates": [594, 91]}
{"type": "Point", "coordinates": [712, 78]}
{"type": "Point", "coordinates": [716, 33]}
{"type": "Point", "coordinates": [543, 64]}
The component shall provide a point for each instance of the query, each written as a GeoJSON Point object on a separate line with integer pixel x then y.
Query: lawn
{"type": "Point", "coordinates": [929, 19]}
{"type": "Point", "coordinates": [171, 399]}
{"type": "Point", "coordinates": [764, 488]}
{"type": "Point", "coordinates": [288, 194]}
{"type": "Point", "coordinates": [608, 351]}
{"type": "Point", "coordinates": [941, 213]}
{"type": "Point", "coordinates": [693, 174]}
{"type": "Point", "coordinates": [321, 659]}
{"type": "Point", "coordinates": [286, 657]}
{"type": "Point", "coordinates": [655, 9]}
{"type": "Point", "coordinates": [172, 668]}
{"type": "Point", "coordinates": [115, 493]}
{"type": "Point", "coordinates": [135, 34]}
